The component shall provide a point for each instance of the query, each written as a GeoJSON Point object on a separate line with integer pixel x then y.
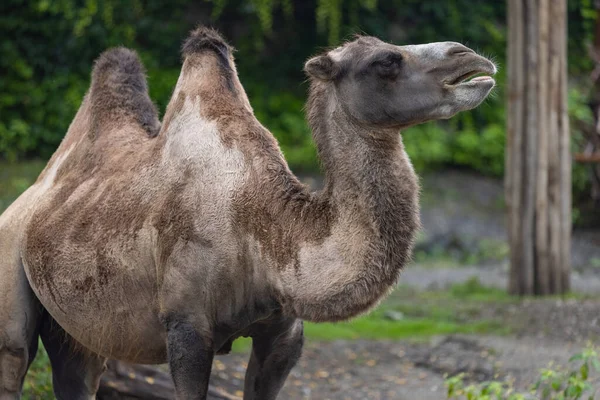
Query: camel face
{"type": "Point", "coordinates": [383, 85]}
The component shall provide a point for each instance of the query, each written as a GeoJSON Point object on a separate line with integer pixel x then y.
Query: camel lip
{"type": "Point", "coordinates": [475, 74]}
{"type": "Point", "coordinates": [480, 73]}
{"type": "Point", "coordinates": [477, 82]}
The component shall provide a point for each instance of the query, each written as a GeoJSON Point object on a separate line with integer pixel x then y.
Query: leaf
{"type": "Point", "coordinates": [584, 369]}
{"type": "Point", "coordinates": [556, 385]}
{"type": "Point", "coordinates": [576, 357]}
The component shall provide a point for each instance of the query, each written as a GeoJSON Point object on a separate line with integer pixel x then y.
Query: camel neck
{"type": "Point", "coordinates": [373, 192]}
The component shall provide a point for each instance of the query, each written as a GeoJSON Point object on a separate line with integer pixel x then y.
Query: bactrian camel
{"type": "Point", "coordinates": [151, 243]}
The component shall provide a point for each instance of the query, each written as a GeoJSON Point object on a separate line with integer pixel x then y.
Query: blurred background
{"type": "Point", "coordinates": [452, 312]}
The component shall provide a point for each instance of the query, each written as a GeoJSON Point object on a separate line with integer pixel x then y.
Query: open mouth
{"type": "Point", "coordinates": [475, 77]}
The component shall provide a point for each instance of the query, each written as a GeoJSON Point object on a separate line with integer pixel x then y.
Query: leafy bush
{"type": "Point", "coordinates": [554, 383]}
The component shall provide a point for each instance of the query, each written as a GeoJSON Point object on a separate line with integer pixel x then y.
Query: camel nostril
{"type": "Point", "coordinates": [459, 49]}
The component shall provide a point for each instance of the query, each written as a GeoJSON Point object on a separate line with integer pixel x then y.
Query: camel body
{"type": "Point", "coordinates": [113, 220]}
{"type": "Point", "coordinates": [152, 243]}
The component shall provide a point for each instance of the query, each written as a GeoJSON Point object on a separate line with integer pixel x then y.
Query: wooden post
{"type": "Point", "coordinates": [538, 161]}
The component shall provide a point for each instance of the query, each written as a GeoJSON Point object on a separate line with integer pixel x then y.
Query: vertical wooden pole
{"type": "Point", "coordinates": [543, 270]}
{"type": "Point", "coordinates": [515, 126]}
{"type": "Point", "coordinates": [538, 162]}
{"type": "Point", "coordinates": [565, 154]}
{"type": "Point", "coordinates": [529, 151]}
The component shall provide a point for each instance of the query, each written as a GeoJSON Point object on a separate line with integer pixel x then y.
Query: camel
{"type": "Point", "coordinates": [149, 242]}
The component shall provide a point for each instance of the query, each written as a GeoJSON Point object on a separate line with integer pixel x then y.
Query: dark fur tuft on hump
{"type": "Point", "coordinates": [204, 38]}
{"type": "Point", "coordinates": [119, 91]}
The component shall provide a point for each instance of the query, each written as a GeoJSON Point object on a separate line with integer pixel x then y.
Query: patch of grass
{"type": "Point", "coordinates": [376, 327]}
{"type": "Point", "coordinates": [242, 345]}
{"type": "Point", "coordinates": [426, 313]}
{"type": "Point", "coordinates": [473, 290]}
{"type": "Point", "coordinates": [15, 178]}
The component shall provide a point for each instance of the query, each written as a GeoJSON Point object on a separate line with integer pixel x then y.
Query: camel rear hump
{"type": "Point", "coordinates": [119, 94]}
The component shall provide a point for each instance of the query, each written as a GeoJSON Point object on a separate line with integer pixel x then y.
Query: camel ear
{"type": "Point", "coordinates": [321, 67]}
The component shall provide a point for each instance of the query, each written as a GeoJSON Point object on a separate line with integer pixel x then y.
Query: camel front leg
{"type": "Point", "coordinates": [276, 348]}
{"type": "Point", "coordinates": [190, 359]}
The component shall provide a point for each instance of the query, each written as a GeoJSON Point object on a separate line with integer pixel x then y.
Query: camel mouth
{"type": "Point", "coordinates": [473, 77]}
{"type": "Point", "coordinates": [481, 74]}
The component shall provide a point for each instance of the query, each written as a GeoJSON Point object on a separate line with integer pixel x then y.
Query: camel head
{"type": "Point", "coordinates": [384, 85]}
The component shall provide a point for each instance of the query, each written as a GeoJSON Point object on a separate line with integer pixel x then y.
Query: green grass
{"type": "Point", "coordinates": [376, 328]}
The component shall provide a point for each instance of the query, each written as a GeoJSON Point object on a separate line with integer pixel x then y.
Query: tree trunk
{"type": "Point", "coordinates": [538, 161]}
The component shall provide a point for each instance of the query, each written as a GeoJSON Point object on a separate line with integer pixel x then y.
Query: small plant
{"type": "Point", "coordinates": [578, 381]}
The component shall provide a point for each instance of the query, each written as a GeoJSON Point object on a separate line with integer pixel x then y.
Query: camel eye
{"type": "Point", "coordinates": [389, 65]}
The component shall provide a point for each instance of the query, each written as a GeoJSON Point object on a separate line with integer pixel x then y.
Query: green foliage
{"type": "Point", "coordinates": [375, 326]}
{"type": "Point", "coordinates": [282, 114]}
{"type": "Point", "coordinates": [579, 380]}
{"type": "Point", "coordinates": [48, 48]}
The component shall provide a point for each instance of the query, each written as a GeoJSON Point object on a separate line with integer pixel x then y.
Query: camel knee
{"type": "Point", "coordinates": [294, 339]}
{"type": "Point", "coordinates": [284, 347]}
{"type": "Point", "coordinates": [295, 343]}
{"type": "Point", "coordinates": [13, 367]}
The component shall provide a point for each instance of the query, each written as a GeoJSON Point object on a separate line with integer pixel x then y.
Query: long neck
{"type": "Point", "coordinates": [372, 191]}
